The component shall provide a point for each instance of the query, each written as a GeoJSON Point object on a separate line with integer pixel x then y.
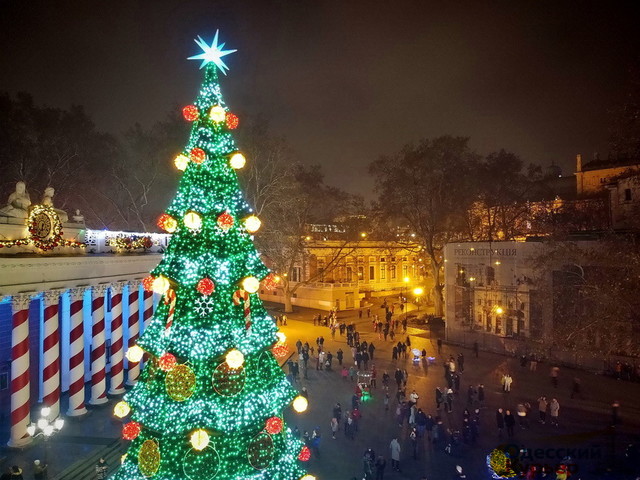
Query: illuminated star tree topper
{"type": "Point", "coordinates": [212, 54]}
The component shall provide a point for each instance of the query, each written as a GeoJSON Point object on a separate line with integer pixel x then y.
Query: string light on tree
{"type": "Point", "coordinates": [225, 221]}
{"type": "Point", "coordinates": [181, 162]}
{"type": "Point", "coordinates": [217, 114]}
{"type": "Point", "coordinates": [190, 113]}
{"type": "Point", "coordinates": [192, 221]}
{"type": "Point", "coordinates": [235, 359]}
{"type": "Point", "coordinates": [251, 284]}
{"type": "Point", "coordinates": [237, 161]}
{"type": "Point", "coordinates": [232, 121]}
{"type": "Point", "coordinates": [121, 409]}
{"type": "Point", "coordinates": [211, 369]}
{"type": "Point", "coordinates": [252, 223]}
{"type": "Point", "coordinates": [198, 155]}
{"type": "Point", "coordinates": [134, 354]}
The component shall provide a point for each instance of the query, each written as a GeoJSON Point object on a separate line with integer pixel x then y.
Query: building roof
{"type": "Point", "coordinates": [601, 164]}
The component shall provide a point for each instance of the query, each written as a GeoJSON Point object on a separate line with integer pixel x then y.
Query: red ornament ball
{"type": "Point", "coordinates": [131, 430]}
{"type": "Point", "coordinates": [274, 425]}
{"type": "Point", "coordinates": [147, 283]}
{"type": "Point", "coordinates": [225, 221]}
{"type": "Point", "coordinates": [190, 113]}
{"type": "Point", "coordinates": [167, 362]}
{"type": "Point", "coordinates": [232, 121]}
{"type": "Point", "coordinates": [206, 286]}
{"type": "Point", "coordinates": [167, 223]}
{"type": "Point", "coordinates": [305, 454]}
{"type": "Point", "coordinates": [280, 350]}
{"type": "Point", "coordinates": [270, 282]}
{"type": "Point", "coordinates": [198, 155]}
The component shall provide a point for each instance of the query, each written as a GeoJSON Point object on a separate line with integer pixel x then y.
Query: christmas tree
{"type": "Point", "coordinates": [210, 398]}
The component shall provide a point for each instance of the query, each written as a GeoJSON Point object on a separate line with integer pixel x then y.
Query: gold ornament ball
{"type": "Point", "coordinates": [193, 221]}
{"type": "Point", "coordinates": [308, 477]}
{"type": "Point", "coordinates": [281, 337]}
{"type": "Point", "coordinates": [237, 161]}
{"type": "Point", "coordinates": [199, 439]}
{"type": "Point", "coordinates": [135, 354]}
{"type": "Point", "coordinates": [121, 409]}
{"type": "Point", "coordinates": [181, 162]}
{"type": "Point", "coordinates": [251, 284]}
{"type": "Point", "coordinates": [300, 404]}
{"type": "Point", "coordinates": [252, 223]}
{"type": "Point", "coordinates": [217, 114]}
{"type": "Point", "coordinates": [160, 284]}
{"type": "Point", "coordinates": [234, 358]}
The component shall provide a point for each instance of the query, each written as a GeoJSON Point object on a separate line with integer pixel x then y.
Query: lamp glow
{"type": "Point", "coordinates": [237, 161]}
{"type": "Point", "coordinates": [161, 284]}
{"type": "Point", "coordinates": [235, 358]}
{"type": "Point", "coordinates": [199, 439]}
{"type": "Point", "coordinates": [499, 311]}
{"type": "Point", "coordinates": [252, 223]}
{"type": "Point", "coordinates": [48, 430]}
{"type": "Point", "coordinates": [300, 404]}
{"type": "Point", "coordinates": [217, 114]}
{"type": "Point", "coordinates": [45, 412]}
{"type": "Point", "coordinates": [31, 430]}
{"type": "Point", "coordinates": [181, 162]}
{"type": "Point", "coordinates": [42, 423]}
{"type": "Point", "coordinates": [193, 221]}
{"type": "Point", "coordinates": [251, 284]}
{"type": "Point", "coordinates": [58, 423]}
{"type": "Point", "coordinates": [134, 354]}
{"type": "Point", "coordinates": [418, 291]}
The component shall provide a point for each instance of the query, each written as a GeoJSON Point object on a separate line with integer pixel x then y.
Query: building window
{"type": "Point", "coordinates": [360, 259]}
{"type": "Point", "coordinates": [479, 302]}
{"type": "Point", "coordinates": [360, 273]}
{"type": "Point", "coordinates": [296, 274]}
{"type": "Point", "coordinates": [372, 273]}
{"type": "Point", "coordinates": [392, 271]}
{"type": "Point", "coordinates": [383, 268]}
{"type": "Point", "coordinates": [405, 270]}
{"type": "Point", "coordinates": [349, 274]}
{"type": "Point", "coordinates": [627, 194]}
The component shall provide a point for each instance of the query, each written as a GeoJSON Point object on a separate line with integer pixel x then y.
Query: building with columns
{"type": "Point", "coordinates": [67, 315]}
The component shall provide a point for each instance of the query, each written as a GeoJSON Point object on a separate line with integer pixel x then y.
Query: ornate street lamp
{"type": "Point", "coordinates": [46, 428]}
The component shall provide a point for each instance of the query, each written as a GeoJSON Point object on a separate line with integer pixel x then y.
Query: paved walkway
{"type": "Point", "coordinates": [583, 422]}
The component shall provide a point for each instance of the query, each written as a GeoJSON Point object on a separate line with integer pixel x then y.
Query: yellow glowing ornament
{"type": "Point", "coordinates": [123, 458]}
{"type": "Point", "coordinates": [251, 284]}
{"type": "Point", "coordinates": [199, 439]}
{"type": "Point", "coordinates": [160, 284]}
{"type": "Point", "coordinates": [181, 162]}
{"type": "Point", "coordinates": [235, 358]}
{"type": "Point", "coordinates": [308, 477]}
{"type": "Point", "coordinates": [121, 409]}
{"type": "Point", "coordinates": [135, 354]}
{"type": "Point", "coordinates": [252, 224]}
{"type": "Point", "coordinates": [300, 404]}
{"type": "Point", "coordinates": [281, 337]}
{"type": "Point", "coordinates": [237, 161]}
{"type": "Point", "coordinates": [193, 221]}
{"type": "Point", "coordinates": [217, 114]}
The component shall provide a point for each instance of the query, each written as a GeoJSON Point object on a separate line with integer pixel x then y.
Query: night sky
{"type": "Point", "coordinates": [344, 81]}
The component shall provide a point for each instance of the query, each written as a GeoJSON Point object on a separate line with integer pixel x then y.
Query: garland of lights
{"type": "Point", "coordinates": [215, 375]}
{"type": "Point", "coordinates": [45, 231]}
{"type": "Point", "coordinates": [499, 465]}
{"type": "Point", "coordinates": [130, 242]}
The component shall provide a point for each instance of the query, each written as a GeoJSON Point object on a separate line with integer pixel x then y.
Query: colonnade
{"type": "Point", "coordinates": [77, 317]}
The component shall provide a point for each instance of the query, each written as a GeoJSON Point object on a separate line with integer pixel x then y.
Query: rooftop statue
{"type": "Point", "coordinates": [47, 199]}
{"type": "Point", "coordinates": [18, 203]}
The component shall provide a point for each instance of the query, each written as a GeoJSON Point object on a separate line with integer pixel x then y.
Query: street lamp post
{"type": "Point", "coordinates": [46, 428]}
{"type": "Point", "coordinates": [406, 281]}
{"type": "Point", "coordinates": [417, 292]}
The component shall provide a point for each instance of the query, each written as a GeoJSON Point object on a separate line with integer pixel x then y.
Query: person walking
{"type": "Point", "coordinates": [523, 410]}
{"type": "Point", "coordinates": [101, 469]}
{"type": "Point", "coordinates": [475, 349]}
{"type": "Point", "coordinates": [439, 398]}
{"type": "Point", "coordinates": [413, 437]}
{"type": "Point", "coordinates": [334, 427]}
{"type": "Point", "coordinates": [576, 390]}
{"type": "Point", "coordinates": [555, 372]}
{"type": "Point", "coordinates": [500, 421]}
{"type": "Point", "coordinates": [481, 395]}
{"type": "Point", "coordinates": [509, 421]}
{"type": "Point", "coordinates": [340, 356]}
{"type": "Point", "coordinates": [439, 345]}
{"type": "Point", "coordinates": [380, 465]}
{"type": "Point", "coordinates": [542, 409]}
{"type": "Point", "coordinates": [554, 411]}
{"type": "Point", "coordinates": [367, 466]}
{"type": "Point", "coordinates": [394, 446]}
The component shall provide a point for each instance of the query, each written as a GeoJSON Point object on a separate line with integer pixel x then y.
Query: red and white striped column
{"type": "Point", "coordinates": [51, 353]}
{"type": "Point", "coordinates": [148, 307]}
{"type": "Point", "coordinates": [20, 395]}
{"type": "Point", "coordinates": [117, 343]}
{"type": "Point", "coordinates": [98, 347]}
{"type": "Point", "coordinates": [134, 329]}
{"type": "Point", "coordinates": [76, 354]}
